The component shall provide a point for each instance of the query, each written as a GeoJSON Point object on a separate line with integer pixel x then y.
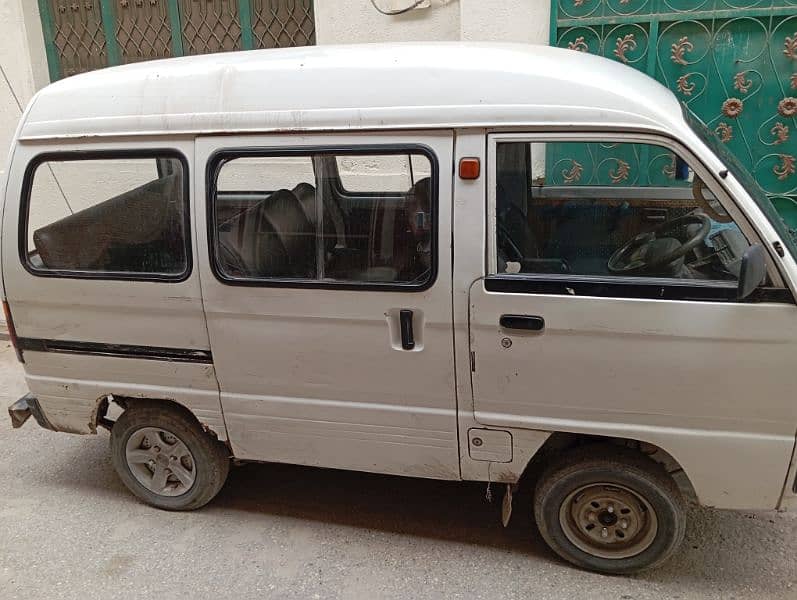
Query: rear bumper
{"type": "Point", "coordinates": [23, 408]}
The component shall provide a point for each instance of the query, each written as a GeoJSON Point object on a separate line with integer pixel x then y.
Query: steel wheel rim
{"type": "Point", "coordinates": [608, 521]}
{"type": "Point", "coordinates": [160, 461]}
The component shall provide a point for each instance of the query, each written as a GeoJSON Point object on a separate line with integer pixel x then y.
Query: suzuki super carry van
{"type": "Point", "coordinates": [453, 261]}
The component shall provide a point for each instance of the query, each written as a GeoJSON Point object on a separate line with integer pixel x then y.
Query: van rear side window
{"type": "Point", "coordinates": [108, 217]}
{"type": "Point", "coordinates": [289, 220]}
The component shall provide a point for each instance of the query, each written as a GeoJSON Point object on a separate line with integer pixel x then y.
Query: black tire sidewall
{"type": "Point", "coordinates": [210, 462]}
{"type": "Point", "coordinates": [667, 505]}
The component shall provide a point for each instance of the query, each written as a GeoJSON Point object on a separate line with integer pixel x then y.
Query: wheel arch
{"type": "Point", "coordinates": [128, 402]}
{"type": "Point", "coordinates": [559, 442]}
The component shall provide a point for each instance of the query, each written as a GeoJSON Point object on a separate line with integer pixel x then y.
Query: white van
{"type": "Point", "coordinates": [455, 261]}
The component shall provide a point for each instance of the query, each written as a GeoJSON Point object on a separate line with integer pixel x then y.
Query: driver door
{"type": "Point", "coordinates": [660, 352]}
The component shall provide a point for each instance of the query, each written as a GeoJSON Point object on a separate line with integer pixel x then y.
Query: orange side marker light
{"type": "Point", "coordinates": [469, 168]}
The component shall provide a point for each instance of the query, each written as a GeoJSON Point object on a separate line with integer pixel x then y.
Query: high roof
{"type": "Point", "coordinates": [370, 86]}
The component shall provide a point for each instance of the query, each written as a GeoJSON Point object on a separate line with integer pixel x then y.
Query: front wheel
{"type": "Point", "coordinates": [162, 455]}
{"type": "Point", "coordinates": [609, 509]}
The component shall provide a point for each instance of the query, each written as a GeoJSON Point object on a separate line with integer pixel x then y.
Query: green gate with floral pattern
{"type": "Point", "coordinates": [733, 62]}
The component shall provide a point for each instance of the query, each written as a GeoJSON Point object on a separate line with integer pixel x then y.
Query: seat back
{"type": "Point", "coordinates": [273, 238]}
{"type": "Point", "coordinates": [134, 229]}
{"type": "Point", "coordinates": [306, 194]}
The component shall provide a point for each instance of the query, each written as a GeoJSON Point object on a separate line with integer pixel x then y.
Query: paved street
{"type": "Point", "coordinates": [68, 529]}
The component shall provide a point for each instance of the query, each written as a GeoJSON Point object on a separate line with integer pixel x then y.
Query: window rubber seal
{"type": "Point", "coordinates": [219, 157]}
{"type": "Point", "coordinates": [78, 155]}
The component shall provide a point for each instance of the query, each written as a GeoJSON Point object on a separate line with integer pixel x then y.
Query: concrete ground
{"type": "Point", "coordinates": [69, 529]}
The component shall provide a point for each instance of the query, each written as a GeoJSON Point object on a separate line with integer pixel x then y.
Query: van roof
{"type": "Point", "coordinates": [366, 86]}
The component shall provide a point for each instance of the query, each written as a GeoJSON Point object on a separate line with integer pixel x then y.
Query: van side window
{"type": "Point", "coordinates": [289, 218]}
{"type": "Point", "coordinates": [107, 217]}
{"type": "Point", "coordinates": [614, 209]}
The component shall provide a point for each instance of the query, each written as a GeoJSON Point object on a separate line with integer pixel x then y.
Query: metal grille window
{"type": "Point", "coordinates": [81, 35]}
{"type": "Point", "coordinates": [733, 62]}
{"type": "Point", "coordinates": [210, 26]}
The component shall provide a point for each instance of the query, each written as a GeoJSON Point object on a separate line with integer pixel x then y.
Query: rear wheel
{"type": "Point", "coordinates": [163, 456]}
{"type": "Point", "coordinates": [609, 509]}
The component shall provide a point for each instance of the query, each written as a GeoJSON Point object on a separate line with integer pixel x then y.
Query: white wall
{"type": "Point", "coordinates": [353, 21]}
{"type": "Point", "coordinates": [505, 20]}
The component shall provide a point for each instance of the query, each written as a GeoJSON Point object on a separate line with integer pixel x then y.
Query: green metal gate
{"type": "Point", "coordinates": [734, 63]}
{"type": "Point", "coordinates": [81, 35]}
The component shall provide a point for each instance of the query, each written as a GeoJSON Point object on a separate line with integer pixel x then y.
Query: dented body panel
{"type": "Point", "coordinates": [70, 396]}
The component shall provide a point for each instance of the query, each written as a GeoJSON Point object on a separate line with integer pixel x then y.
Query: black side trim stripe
{"type": "Point", "coordinates": [117, 350]}
{"type": "Point", "coordinates": [601, 287]}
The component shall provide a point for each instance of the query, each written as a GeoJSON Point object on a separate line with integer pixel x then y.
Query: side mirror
{"type": "Point", "coordinates": [753, 270]}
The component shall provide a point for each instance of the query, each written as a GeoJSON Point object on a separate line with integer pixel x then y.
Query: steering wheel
{"type": "Point", "coordinates": [650, 251]}
{"type": "Point", "coordinates": [697, 191]}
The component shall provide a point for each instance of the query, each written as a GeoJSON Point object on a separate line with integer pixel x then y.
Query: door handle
{"type": "Point", "coordinates": [405, 324]}
{"type": "Point", "coordinates": [525, 322]}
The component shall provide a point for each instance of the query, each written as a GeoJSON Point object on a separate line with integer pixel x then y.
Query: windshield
{"type": "Point", "coordinates": [743, 176]}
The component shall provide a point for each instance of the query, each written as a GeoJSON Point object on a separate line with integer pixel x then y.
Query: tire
{"type": "Point", "coordinates": [153, 442]}
{"type": "Point", "coordinates": [578, 501]}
